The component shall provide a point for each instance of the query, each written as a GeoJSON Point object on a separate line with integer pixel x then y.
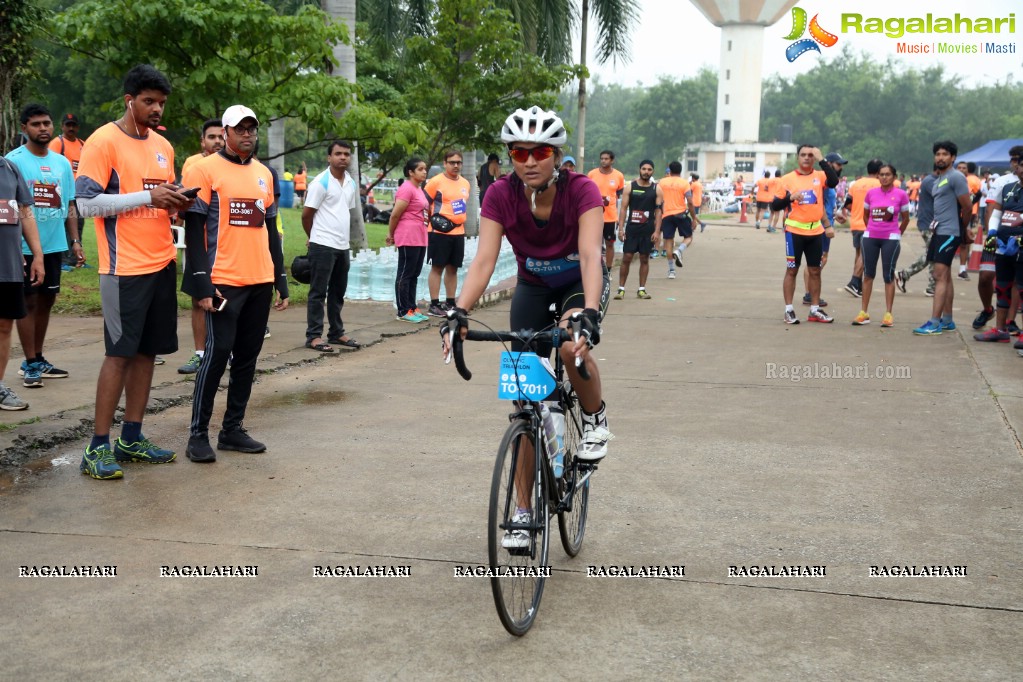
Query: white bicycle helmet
{"type": "Point", "coordinates": [534, 125]}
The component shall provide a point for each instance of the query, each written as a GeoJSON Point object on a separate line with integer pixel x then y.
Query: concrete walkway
{"type": "Point", "coordinates": [722, 463]}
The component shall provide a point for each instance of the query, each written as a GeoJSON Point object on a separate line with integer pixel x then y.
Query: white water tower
{"type": "Point", "coordinates": [742, 24]}
{"type": "Point", "coordinates": [736, 149]}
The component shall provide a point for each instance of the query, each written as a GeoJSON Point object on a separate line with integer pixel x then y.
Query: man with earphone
{"type": "Point", "coordinates": [126, 182]}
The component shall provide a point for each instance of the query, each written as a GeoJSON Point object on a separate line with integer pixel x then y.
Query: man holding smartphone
{"type": "Point", "coordinates": [126, 182]}
{"type": "Point", "coordinates": [235, 259]}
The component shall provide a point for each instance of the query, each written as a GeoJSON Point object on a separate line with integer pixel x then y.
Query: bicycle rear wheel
{"type": "Point", "coordinates": [518, 573]}
{"type": "Point", "coordinates": [572, 523]}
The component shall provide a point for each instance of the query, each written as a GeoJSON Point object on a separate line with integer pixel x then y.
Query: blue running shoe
{"type": "Point", "coordinates": [142, 451]}
{"type": "Point", "coordinates": [100, 463]}
{"type": "Point", "coordinates": [928, 328]}
{"type": "Point", "coordinates": [32, 376]}
{"type": "Point", "coordinates": [949, 326]}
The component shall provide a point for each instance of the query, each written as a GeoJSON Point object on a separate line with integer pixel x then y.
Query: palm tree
{"type": "Point", "coordinates": [344, 10]}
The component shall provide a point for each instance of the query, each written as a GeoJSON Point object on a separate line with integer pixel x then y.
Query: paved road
{"type": "Point", "coordinates": [382, 458]}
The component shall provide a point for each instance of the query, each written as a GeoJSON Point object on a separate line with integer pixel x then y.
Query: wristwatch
{"type": "Point", "coordinates": [76, 241]}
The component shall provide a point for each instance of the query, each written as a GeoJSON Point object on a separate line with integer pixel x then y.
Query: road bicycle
{"type": "Point", "coordinates": [522, 480]}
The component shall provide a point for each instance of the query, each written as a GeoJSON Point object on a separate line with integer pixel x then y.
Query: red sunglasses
{"type": "Point", "coordinates": [540, 153]}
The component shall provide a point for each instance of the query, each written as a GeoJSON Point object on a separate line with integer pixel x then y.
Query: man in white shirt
{"type": "Point", "coordinates": [331, 205]}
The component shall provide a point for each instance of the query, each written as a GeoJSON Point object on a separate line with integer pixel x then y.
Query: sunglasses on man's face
{"type": "Point", "coordinates": [522, 155]}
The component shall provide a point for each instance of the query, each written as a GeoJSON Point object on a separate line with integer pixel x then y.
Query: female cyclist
{"type": "Point", "coordinates": [554, 223]}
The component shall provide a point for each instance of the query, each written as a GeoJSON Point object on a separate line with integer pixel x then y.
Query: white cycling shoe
{"type": "Point", "coordinates": [596, 436]}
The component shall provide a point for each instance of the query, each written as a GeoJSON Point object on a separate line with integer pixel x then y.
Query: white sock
{"type": "Point", "coordinates": [681, 248]}
{"type": "Point", "coordinates": [962, 269]}
{"type": "Point", "coordinates": [200, 353]}
{"type": "Point", "coordinates": [789, 309]}
{"type": "Point", "coordinates": [813, 309]}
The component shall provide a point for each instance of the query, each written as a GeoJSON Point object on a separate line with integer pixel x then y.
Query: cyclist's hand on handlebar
{"type": "Point", "coordinates": [587, 324]}
{"type": "Point", "coordinates": [457, 319]}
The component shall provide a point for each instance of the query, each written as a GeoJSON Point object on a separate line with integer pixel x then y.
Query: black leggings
{"type": "Point", "coordinates": [887, 249]}
{"type": "Point", "coordinates": [410, 264]}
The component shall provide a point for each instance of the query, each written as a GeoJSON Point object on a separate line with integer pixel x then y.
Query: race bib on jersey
{"type": "Point", "coordinates": [555, 272]}
{"type": "Point", "coordinates": [246, 213]}
{"type": "Point", "coordinates": [882, 214]}
{"type": "Point", "coordinates": [458, 207]}
{"type": "Point", "coordinates": [74, 167]}
{"type": "Point", "coordinates": [1012, 219]}
{"type": "Point", "coordinates": [806, 197]}
{"type": "Point", "coordinates": [46, 195]}
{"type": "Point", "coordinates": [639, 217]}
{"type": "Point", "coordinates": [8, 212]}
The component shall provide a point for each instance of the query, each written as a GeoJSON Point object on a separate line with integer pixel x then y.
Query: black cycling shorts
{"type": "Point", "coordinates": [531, 307]}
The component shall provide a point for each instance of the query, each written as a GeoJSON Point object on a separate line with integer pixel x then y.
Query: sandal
{"type": "Point", "coordinates": [321, 346]}
{"type": "Point", "coordinates": [349, 343]}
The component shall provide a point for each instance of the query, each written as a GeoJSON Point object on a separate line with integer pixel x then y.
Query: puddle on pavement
{"type": "Point", "coordinates": [36, 467]}
{"type": "Point", "coordinates": [298, 398]}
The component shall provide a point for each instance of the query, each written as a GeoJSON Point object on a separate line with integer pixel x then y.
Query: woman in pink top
{"type": "Point", "coordinates": [407, 231]}
{"type": "Point", "coordinates": [885, 215]}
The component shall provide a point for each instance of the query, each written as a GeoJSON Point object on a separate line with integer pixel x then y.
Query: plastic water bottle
{"type": "Point", "coordinates": [558, 417]}
{"type": "Point", "coordinates": [555, 444]}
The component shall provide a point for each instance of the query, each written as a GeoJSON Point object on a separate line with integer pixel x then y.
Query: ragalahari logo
{"type": "Point", "coordinates": [818, 34]}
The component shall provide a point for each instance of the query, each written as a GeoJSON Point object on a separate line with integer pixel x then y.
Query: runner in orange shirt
{"type": "Point", "coordinates": [69, 144]}
{"type": "Point", "coordinates": [697, 189]}
{"type": "Point", "coordinates": [777, 192]}
{"type": "Point", "coordinates": [126, 181]}
{"type": "Point", "coordinates": [975, 184]}
{"type": "Point", "coordinates": [611, 184]}
{"type": "Point", "coordinates": [854, 204]}
{"type": "Point", "coordinates": [234, 254]}
{"type": "Point", "coordinates": [763, 197]}
{"type": "Point", "coordinates": [301, 179]}
{"type": "Point", "coordinates": [676, 214]}
{"type": "Point", "coordinates": [806, 224]}
{"type": "Point", "coordinates": [211, 142]}
{"type": "Point", "coordinates": [445, 249]}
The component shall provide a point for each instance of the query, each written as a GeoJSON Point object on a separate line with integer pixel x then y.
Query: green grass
{"type": "Point", "coordinates": [12, 427]}
{"type": "Point", "coordinates": [79, 289]}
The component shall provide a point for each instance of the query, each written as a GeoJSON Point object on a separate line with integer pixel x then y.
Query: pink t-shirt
{"type": "Point", "coordinates": [411, 227]}
{"type": "Point", "coordinates": [885, 210]}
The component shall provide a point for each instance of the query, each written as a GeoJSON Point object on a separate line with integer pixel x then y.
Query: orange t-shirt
{"type": "Point", "coordinates": [764, 193]}
{"type": "Point", "coordinates": [975, 184]}
{"type": "Point", "coordinates": [72, 150]}
{"type": "Point", "coordinates": [858, 191]}
{"type": "Point", "coordinates": [300, 180]}
{"type": "Point", "coordinates": [697, 188]}
{"type": "Point", "coordinates": [913, 189]}
{"type": "Point", "coordinates": [449, 198]}
{"type": "Point", "coordinates": [673, 189]}
{"type": "Point", "coordinates": [188, 164]}
{"type": "Point", "coordinates": [611, 185]}
{"type": "Point", "coordinates": [775, 187]}
{"type": "Point", "coordinates": [236, 199]}
{"type": "Point", "coordinates": [138, 241]}
{"type": "Point", "coordinates": [807, 202]}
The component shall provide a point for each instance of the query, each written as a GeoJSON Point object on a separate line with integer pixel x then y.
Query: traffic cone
{"type": "Point", "coordinates": [743, 218]}
{"type": "Point", "coordinates": [976, 250]}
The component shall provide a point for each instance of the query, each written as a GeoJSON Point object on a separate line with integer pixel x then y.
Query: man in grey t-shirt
{"type": "Point", "coordinates": [950, 227]}
{"type": "Point", "coordinates": [16, 220]}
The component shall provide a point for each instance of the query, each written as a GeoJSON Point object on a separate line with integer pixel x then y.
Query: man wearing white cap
{"type": "Point", "coordinates": [236, 261]}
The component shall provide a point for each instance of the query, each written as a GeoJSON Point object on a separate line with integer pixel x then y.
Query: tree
{"type": "Point", "coordinates": [17, 25]}
{"type": "Point", "coordinates": [467, 76]}
{"type": "Point", "coordinates": [223, 52]}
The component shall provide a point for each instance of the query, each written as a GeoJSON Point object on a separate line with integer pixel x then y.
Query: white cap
{"type": "Point", "coordinates": [237, 113]}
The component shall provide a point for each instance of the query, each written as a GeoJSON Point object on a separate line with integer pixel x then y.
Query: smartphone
{"type": "Point", "coordinates": [219, 303]}
{"type": "Point", "coordinates": [191, 193]}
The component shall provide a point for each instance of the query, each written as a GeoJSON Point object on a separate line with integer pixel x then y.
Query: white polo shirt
{"type": "Point", "coordinates": [333, 202]}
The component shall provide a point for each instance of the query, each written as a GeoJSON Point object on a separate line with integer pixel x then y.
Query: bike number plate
{"type": "Point", "coordinates": [524, 376]}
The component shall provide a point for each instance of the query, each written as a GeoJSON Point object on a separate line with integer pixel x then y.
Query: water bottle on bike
{"type": "Point", "coordinates": [554, 431]}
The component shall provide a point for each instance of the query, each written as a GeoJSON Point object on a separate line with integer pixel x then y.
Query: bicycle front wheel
{"type": "Point", "coordinates": [518, 526]}
{"type": "Point", "coordinates": [572, 522]}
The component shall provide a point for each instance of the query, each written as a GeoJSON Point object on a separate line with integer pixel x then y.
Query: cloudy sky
{"type": "Point", "coordinates": [674, 38]}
